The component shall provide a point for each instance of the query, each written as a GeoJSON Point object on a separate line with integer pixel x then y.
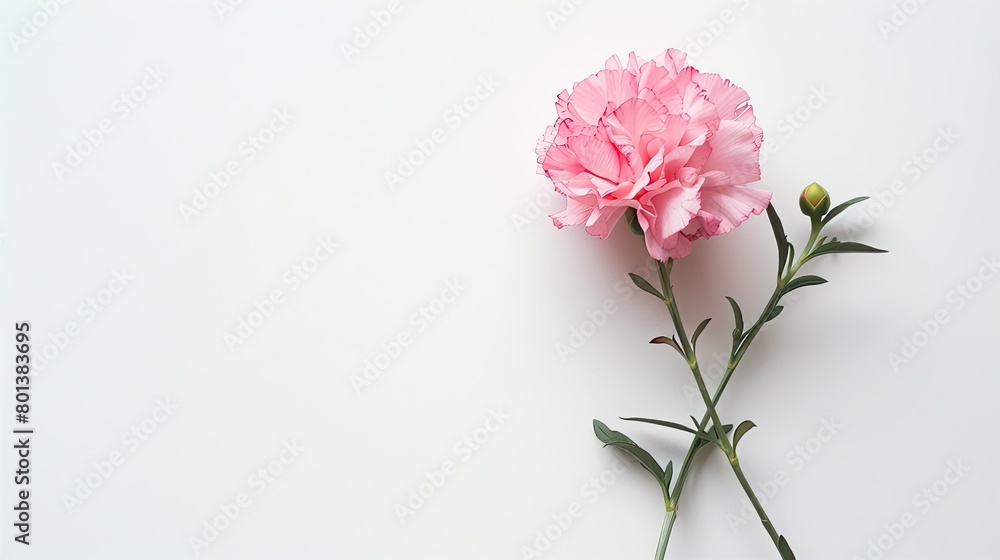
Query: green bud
{"type": "Point", "coordinates": [815, 201]}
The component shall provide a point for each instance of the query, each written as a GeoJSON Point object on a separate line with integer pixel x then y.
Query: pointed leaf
{"type": "Point", "coordinates": [704, 441]}
{"type": "Point", "coordinates": [668, 341]}
{"type": "Point", "coordinates": [645, 286]}
{"type": "Point", "coordinates": [621, 441]}
{"type": "Point", "coordinates": [632, 219]}
{"type": "Point", "coordinates": [784, 550]}
{"type": "Point", "coordinates": [841, 207]}
{"type": "Point", "coordinates": [791, 255]}
{"type": "Point", "coordinates": [742, 429]}
{"type": "Point", "coordinates": [802, 282]}
{"type": "Point", "coordinates": [604, 433]}
{"type": "Point", "coordinates": [779, 237]}
{"type": "Point", "coordinates": [667, 424]}
{"type": "Point", "coordinates": [737, 314]}
{"type": "Point", "coordinates": [668, 473]}
{"type": "Point", "coordinates": [774, 313]}
{"type": "Point", "coordinates": [711, 435]}
{"type": "Point", "coordinates": [698, 331]}
{"type": "Point", "coordinates": [843, 247]}
{"type": "Point", "coordinates": [664, 423]}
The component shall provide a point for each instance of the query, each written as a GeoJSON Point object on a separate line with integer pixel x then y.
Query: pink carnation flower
{"type": "Point", "coordinates": [677, 145]}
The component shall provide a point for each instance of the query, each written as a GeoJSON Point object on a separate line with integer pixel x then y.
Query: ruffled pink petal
{"type": "Point", "coordinates": [598, 157]}
{"type": "Point", "coordinates": [561, 163]}
{"type": "Point", "coordinates": [671, 60]}
{"type": "Point", "coordinates": [576, 213]}
{"type": "Point", "coordinates": [664, 213]}
{"type": "Point", "coordinates": [731, 205]}
{"type": "Point", "coordinates": [703, 225]}
{"type": "Point", "coordinates": [673, 247]}
{"type": "Point", "coordinates": [631, 123]}
{"type": "Point", "coordinates": [730, 101]}
{"type": "Point", "coordinates": [603, 220]}
{"type": "Point", "coordinates": [735, 155]}
{"type": "Point", "coordinates": [635, 62]}
{"type": "Point", "coordinates": [600, 94]}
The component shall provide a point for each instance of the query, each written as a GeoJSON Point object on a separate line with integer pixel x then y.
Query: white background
{"type": "Point", "coordinates": [474, 212]}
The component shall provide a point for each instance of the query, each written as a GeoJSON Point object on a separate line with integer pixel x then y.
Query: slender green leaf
{"type": "Point", "coordinates": [802, 282]}
{"type": "Point", "coordinates": [843, 247]}
{"type": "Point", "coordinates": [779, 237]}
{"type": "Point", "coordinates": [774, 313]}
{"type": "Point", "coordinates": [668, 341]}
{"type": "Point", "coordinates": [621, 441]}
{"type": "Point", "coordinates": [741, 430]}
{"type": "Point", "coordinates": [632, 219]}
{"type": "Point", "coordinates": [841, 207]}
{"type": "Point", "coordinates": [697, 426]}
{"type": "Point", "coordinates": [698, 331]}
{"type": "Point", "coordinates": [668, 473]}
{"type": "Point", "coordinates": [645, 286]}
{"type": "Point", "coordinates": [737, 314]}
{"type": "Point", "coordinates": [705, 441]}
{"type": "Point", "coordinates": [712, 435]}
{"type": "Point", "coordinates": [664, 423]}
{"type": "Point", "coordinates": [784, 550]}
{"type": "Point", "coordinates": [791, 255]}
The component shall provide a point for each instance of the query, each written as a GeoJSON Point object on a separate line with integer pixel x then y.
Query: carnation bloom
{"type": "Point", "coordinates": [677, 145]}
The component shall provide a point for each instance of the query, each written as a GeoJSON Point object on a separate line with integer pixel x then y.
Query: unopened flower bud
{"type": "Point", "coordinates": [815, 201]}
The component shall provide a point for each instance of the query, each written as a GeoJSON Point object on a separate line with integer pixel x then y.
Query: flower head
{"type": "Point", "coordinates": [677, 145]}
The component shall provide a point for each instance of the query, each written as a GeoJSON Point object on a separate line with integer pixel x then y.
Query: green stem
{"type": "Point", "coordinates": [711, 412]}
{"type": "Point", "coordinates": [668, 525]}
{"type": "Point", "coordinates": [764, 519]}
{"type": "Point", "coordinates": [739, 350]}
{"type": "Point", "coordinates": [737, 355]}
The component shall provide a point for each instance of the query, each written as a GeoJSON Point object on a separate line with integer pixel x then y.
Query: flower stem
{"type": "Point", "coordinates": [710, 402]}
{"type": "Point", "coordinates": [668, 525]}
